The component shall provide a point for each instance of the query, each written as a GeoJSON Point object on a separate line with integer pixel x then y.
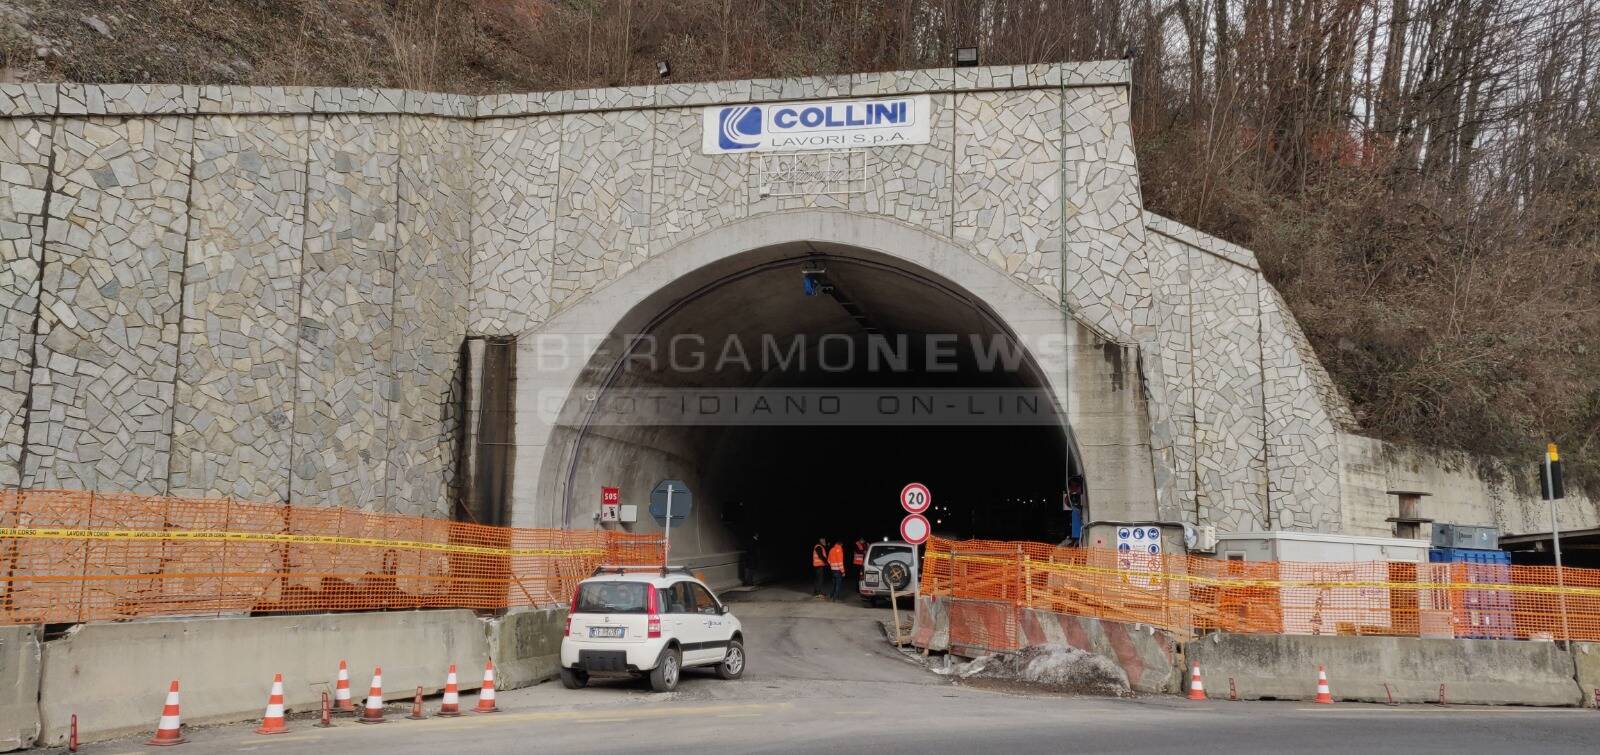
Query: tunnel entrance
{"type": "Point", "coordinates": [796, 389]}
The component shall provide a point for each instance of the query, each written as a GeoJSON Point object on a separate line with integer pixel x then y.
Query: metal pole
{"type": "Point", "coordinates": [916, 573]}
{"type": "Point", "coordinates": [1555, 539]}
{"type": "Point", "coordinates": [666, 548]}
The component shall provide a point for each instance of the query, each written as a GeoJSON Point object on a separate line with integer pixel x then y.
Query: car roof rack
{"type": "Point", "coordinates": [623, 569]}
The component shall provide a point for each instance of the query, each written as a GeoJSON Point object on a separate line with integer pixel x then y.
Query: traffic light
{"type": "Point", "coordinates": [1075, 491]}
{"type": "Point", "coordinates": [1551, 484]}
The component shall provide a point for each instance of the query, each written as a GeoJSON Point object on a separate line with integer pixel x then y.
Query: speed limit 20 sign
{"type": "Point", "coordinates": [915, 498]}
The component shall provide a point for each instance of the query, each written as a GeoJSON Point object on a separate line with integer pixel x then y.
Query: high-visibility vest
{"type": "Point", "coordinates": [861, 553]}
{"type": "Point", "coordinates": [836, 557]}
{"type": "Point", "coordinates": [817, 557]}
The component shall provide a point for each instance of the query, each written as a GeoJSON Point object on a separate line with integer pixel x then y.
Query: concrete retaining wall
{"type": "Point", "coordinates": [526, 646]}
{"type": "Point", "coordinates": [114, 676]}
{"type": "Point", "coordinates": [1152, 658]}
{"type": "Point", "coordinates": [1284, 667]}
{"type": "Point", "coordinates": [19, 687]}
{"type": "Point", "coordinates": [1482, 672]}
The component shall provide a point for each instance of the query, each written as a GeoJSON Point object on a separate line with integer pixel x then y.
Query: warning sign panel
{"type": "Point", "coordinates": [1139, 550]}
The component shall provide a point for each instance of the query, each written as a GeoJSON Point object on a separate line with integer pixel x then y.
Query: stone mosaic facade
{"type": "Point", "coordinates": [107, 349]}
{"type": "Point", "coordinates": [232, 420]}
{"type": "Point", "coordinates": [263, 292]}
{"type": "Point", "coordinates": [346, 356]}
{"type": "Point", "coordinates": [24, 173]}
{"type": "Point", "coordinates": [1109, 284]}
{"type": "Point", "coordinates": [1255, 418]}
{"type": "Point", "coordinates": [602, 199]}
{"type": "Point", "coordinates": [431, 276]}
{"type": "Point", "coordinates": [514, 236]}
{"type": "Point", "coordinates": [1007, 188]}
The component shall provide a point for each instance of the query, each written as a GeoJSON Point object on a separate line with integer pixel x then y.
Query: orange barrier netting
{"type": "Point", "coordinates": [1188, 594]}
{"type": "Point", "coordinates": [74, 556]}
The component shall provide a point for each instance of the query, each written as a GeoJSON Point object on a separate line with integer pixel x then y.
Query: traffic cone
{"type": "Point", "coordinates": [486, 695]}
{"type": "Point", "coordinates": [373, 714]}
{"type": "Point", "coordinates": [1197, 689]}
{"type": "Point", "coordinates": [451, 706]}
{"type": "Point", "coordinates": [326, 722]}
{"type": "Point", "coordinates": [272, 722]}
{"type": "Point", "coordinates": [1324, 695]}
{"type": "Point", "coordinates": [416, 707]}
{"type": "Point", "coordinates": [170, 730]}
{"type": "Point", "coordinates": [341, 691]}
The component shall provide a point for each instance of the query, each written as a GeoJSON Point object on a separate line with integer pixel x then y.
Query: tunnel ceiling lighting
{"type": "Point", "coordinates": [966, 57]}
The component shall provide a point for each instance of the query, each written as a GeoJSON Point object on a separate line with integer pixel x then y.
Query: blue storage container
{"type": "Point", "coordinates": [1469, 556]}
{"type": "Point", "coordinates": [1482, 613]}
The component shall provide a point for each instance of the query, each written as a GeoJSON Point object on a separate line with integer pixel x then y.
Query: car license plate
{"type": "Point", "coordinates": [612, 632]}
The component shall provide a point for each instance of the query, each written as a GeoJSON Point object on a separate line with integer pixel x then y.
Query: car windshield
{"type": "Point", "coordinates": [882, 553]}
{"type": "Point", "coordinates": [613, 597]}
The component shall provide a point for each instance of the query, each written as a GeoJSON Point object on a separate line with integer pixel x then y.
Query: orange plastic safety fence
{"type": "Point", "coordinates": [74, 556]}
{"type": "Point", "coordinates": [1193, 593]}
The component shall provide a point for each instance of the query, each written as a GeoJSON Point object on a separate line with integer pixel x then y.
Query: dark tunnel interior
{"type": "Point", "coordinates": [934, 390]}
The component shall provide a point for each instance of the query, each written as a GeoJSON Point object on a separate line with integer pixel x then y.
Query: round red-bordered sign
{"type": "Point", "coordinates": [915, 498]}
{"type": "Point", "coordinates": [914, 529]}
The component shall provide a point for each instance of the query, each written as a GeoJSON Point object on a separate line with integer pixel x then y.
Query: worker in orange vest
{"type": "Point", "coordinates": [860, 558]}
{"type": "Point", "coordinates": [836, 563]}
{"type": "Point", "coordinates": [819, 564]}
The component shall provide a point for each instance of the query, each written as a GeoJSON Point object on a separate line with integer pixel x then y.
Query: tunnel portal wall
{"type": "Point", "coordinates": [262, 292]}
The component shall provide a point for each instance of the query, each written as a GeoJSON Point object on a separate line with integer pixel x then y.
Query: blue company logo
{"type": "Point", "coordinates": [739, 127]}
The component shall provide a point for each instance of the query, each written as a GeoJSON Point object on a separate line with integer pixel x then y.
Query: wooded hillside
{"type": "Point", "coordinates": [1420, 178]}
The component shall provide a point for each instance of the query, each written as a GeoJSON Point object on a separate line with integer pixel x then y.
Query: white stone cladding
{"type": "Point", "coordinates": [262, 292]}
{"type": "Point", "coordinates": [106, 352]}
{"type": "Point", "coordinates": [1255, 418]}
{"type": "Point", "coordinates": [232, 428]}
{"type": "Point", "coordinates": [24, 166]}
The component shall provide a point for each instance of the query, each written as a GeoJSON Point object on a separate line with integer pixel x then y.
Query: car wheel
{"type": "Point", "coordinates": [732, 665]}
{"type": "Point", "coordinates": [574, 678]}
{"type": "Point", "coordinates": [664, 677]}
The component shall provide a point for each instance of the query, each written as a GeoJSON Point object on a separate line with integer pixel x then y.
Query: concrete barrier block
{"type": "Point", "coordinates": [1586, 662]}
{"type": "Point", "coordinates": [1475, 672]}
{"type": "Point", "coordinates": [1151, 657]}
{"type": "Point", "coordinates": [115, 676]}
{"type": "Point", "coordinates": [19, 687]}
{"type": "Point", "coordinates": [930, 626]}
{"type": "Point", "coordinates": [526, 646]}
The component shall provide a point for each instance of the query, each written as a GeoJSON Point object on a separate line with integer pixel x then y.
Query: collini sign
{"type": "Point", "coordinates": [836, 124]}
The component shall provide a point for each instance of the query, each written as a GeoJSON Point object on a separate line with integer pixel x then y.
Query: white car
{"type": "Point", "coordinates": [648, 621]}
{"type": "Point", "coordinates": [888, 563]}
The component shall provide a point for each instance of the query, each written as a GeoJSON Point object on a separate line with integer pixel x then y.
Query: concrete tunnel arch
{"type": "Point", "coordinates": [742, 278]}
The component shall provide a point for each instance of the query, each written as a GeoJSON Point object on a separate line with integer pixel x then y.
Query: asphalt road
{"type": "Point", "coordinates": [821, 679]}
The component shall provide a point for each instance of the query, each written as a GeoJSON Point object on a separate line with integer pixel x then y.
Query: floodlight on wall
{"type": "Point", "coordinates": [966, 57]}
{"type": "Point", "coordinates": [663, 68]}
